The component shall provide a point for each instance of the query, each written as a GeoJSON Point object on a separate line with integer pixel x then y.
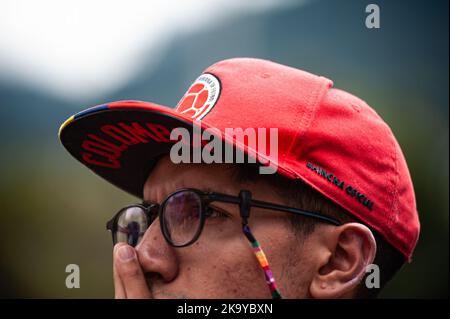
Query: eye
{"type": "Point", "coordinates": [215, 212]}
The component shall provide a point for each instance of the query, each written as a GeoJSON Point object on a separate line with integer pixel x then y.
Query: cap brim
{"type": "Point", "coordinates": [136, 160]}
{"type": "Point", "coordinates": [87, 137]}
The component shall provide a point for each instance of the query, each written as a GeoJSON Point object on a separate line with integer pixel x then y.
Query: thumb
{"type": "Point", "coordinates": [129, 272]}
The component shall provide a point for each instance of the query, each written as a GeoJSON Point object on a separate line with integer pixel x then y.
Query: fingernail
{"type": "Point", "coordinates": [126, 253]}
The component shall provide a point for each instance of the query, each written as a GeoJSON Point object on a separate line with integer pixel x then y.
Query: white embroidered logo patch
{"type": "Point", "coordinates": [201, 97]}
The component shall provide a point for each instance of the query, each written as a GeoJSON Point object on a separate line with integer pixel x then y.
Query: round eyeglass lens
{"type": "Point", "coordinates": [182, 217]}
{"type": "Point", "coordinates": [131, 225]}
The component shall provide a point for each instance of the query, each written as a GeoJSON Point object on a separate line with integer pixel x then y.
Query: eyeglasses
{"type": "Point", "coordinates": [182, 217]}
{"type": "Point", "coordinates": [183, 213]}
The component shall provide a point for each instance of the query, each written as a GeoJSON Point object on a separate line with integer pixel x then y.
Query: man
{"type": "Point", "coordinates": [329, 200]}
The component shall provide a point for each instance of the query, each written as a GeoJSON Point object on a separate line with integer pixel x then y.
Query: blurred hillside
{"type": "Point", "coordinates": [54, 210]}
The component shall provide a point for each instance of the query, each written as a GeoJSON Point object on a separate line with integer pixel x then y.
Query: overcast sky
{"type": "Point", "coordinates": [89, 47]}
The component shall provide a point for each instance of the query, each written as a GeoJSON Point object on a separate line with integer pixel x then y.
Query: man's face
{"type": "Point", "coordinates": [221, 263]}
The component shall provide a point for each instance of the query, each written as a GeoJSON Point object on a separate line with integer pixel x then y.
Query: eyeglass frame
{"type": "Point", "coordinates": [244, 200]}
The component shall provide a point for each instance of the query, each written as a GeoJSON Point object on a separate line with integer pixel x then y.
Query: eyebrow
{"type": "Point", "coordinates": [206, 190]}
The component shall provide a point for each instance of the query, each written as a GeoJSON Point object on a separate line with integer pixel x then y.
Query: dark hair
{"type": "Point", "coordinates": [296, 193]}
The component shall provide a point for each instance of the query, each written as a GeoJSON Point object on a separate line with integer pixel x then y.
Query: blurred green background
{"type": "Point", "coordinates": [53, 210]}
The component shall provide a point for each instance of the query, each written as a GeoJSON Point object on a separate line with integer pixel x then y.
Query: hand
{"type": "Point", "coordinates": [129, 280]}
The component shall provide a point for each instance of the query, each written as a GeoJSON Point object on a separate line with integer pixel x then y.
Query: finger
{"type": "Point", "coordinates": [130, 273]}
{"type": "Point", "coordinates": [119, 290]}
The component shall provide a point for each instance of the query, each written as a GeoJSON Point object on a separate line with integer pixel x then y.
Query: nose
{"type": "Point", "coordinates": [156, 256]}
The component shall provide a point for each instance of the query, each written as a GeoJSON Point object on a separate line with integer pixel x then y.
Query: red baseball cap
{"type": "Point", "coordinates": [328, 138]}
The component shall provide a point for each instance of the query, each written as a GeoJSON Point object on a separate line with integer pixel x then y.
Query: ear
{"type": "Point", "coordinates": [346, 253]}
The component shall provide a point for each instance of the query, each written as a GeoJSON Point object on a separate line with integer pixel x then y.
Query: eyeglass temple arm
{"type": "Point", "coordinates": [296, 211]}
{"type": "Point", "coordinates": [266, 205]}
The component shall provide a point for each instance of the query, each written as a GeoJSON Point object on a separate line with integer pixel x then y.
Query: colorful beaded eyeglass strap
{"type": "Point", "coordinates": [261, 257]}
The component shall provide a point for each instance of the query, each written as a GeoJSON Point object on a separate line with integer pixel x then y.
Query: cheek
{"type": "Point", "coordinates": [224, 269]}
{"type": "Point", "coordinates": [222, 264]}
{"type": "Point", "coordinates": [293, 274]}
{"type": "Point", "coordinates": [288, 255]}
{"type": "Point", "coordinates": [242, 272]}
